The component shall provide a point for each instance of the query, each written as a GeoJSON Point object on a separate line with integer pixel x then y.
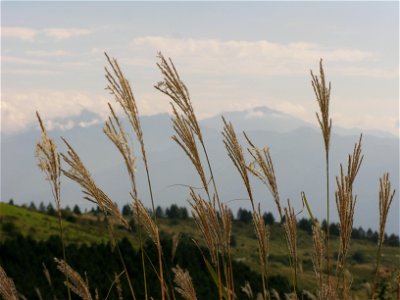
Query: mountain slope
{"type": "Point", "coordinates": [296, 148]}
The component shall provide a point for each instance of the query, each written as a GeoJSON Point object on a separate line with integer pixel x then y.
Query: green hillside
{"type": "Point", "coordinates": [88, 229]}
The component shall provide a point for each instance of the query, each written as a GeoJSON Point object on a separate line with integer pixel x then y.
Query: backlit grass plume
{"type": "Point", "coordinates": [319, 253]}
{"type": "Point", "coordinates": [49, 163]}
{"type": "Point", "coordinates": [76, 284]}
{"type": "Point", "coordinates": [263, 168]}
{"type": "Point", "coordinates": [173, 87]}
{"type": "Point", "coordinates": [386, 196]}
{"type": "Point", "coordinates": [290, 227]}
{"type": "Point", "coordinates": [114, 131]}
{"type": "Point", "coordinates": [185, 138]}
{"type": "Point", "coordinates": [323, 93]}
{"type": "Point", "coordinates": [82, 176]}
{"type": "Point", "coordinates": [7, 287]}
{"type": "Point", "coordinates": [176, 90]}
{"type": "Point", "coordinates": [262, 234]}
{"type": "Point", "coordinates": [216, 230]}
{"type": "Point", "coordinates": [145, 220]}
{"type": "Point", "coordinates": [184, 283]}
{"type": "Point", "coordinates": [119, 86]}
{"type": "Point", "coordinates": [345, 203]}
{"type": "Point", "coordinates": [235, 152]}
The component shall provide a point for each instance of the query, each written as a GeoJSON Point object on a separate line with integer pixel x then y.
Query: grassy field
{"type": "Point", "coordinates": [88, 228]}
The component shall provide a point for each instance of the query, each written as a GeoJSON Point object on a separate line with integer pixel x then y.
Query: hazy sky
{"type": "Point", "coordinates": [232, 56]}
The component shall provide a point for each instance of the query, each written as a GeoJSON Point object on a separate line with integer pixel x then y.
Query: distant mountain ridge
{"type": "Point", "coordinates": [296, 148]}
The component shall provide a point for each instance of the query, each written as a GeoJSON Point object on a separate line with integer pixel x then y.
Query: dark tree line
{"type": "Point", "coordinates": [175, 212]}
{"type": "Point", "coordinates": [24, 259]}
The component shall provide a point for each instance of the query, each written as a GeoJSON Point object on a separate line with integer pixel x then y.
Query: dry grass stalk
{"type": "Point", "coordinates": [76, 284]}
{"type": "Point", "coordinates": [184, 283]}
{"type": "Point", "coordinates": [386, 196]}
{"type": "Point", "coordinates": [263, 168]}
{"type": "Point", "coordinates": [290, 227]}
{"type": "Point", "coordinates": [206, 218]}
{"type": "Point", "coordinates": [247, 290]}
{"type": "Point", "coordinates": [236, 154]}
{"type": "Point", "coordinates": [176, 90]}
{"type": "Point", "coordinates": [47, 275]}
{"type": "Point", "coordinates": [7, 286]}
{"type": "Point", "coordinates": [115, 132]}
{"type": "Point", "coordinates": [262, 234]}
{"type": "Point", "coordinates": [275, 294]}
{"type": "Point", "coordinates": [322, 93]}
{"type": "Point", "coordinates": [345, 203]}
{"type": "Point", "coordinates": [186, 140]}
{"type": "Point", "coordinates": [327, 292]}
{"type": "Point", "coordinates": [38, 293]}
{"type": "Point", "coordinates": [319, 253]}
{"type": "Point", "coordinates": [173, 87]}
{"type": "Point", "coordinates": [216, 231]}
{"type": "Point", "coordinates": [145, 220]}
{"type": "Point", "coordinates": [119, 86]}
{"type": "Point", "coordinates": [118, 286]}
{"type": "Point", "coordinates": [81, 175]}
{"type": "Point", "coordinates": [226, 229]}
{"type": "Point", "coordinates": [354, 163]}
{"type": "Point", "coordinates": [175, 243]}
{"type": "Point", "coordinates": [49, 163]}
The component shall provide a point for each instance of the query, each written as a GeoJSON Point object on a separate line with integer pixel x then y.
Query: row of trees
{"type": "Point", "coordinates": [243, 215]}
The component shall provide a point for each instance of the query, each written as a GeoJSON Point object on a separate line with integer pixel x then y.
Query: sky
{"type": "Point", "coordinates": [231, 55]}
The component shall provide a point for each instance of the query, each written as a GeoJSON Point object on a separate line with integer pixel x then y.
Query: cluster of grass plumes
{"type": "Point", "coordinates": [76, 283]}
{"type": "Point", "coordinates": [184, 283]}
{"type": "Point", "coordinates": [7, 287]}
{"type": "Point", "coordinates": [212, 216]}
{"type": "Point", "coordinates": [345, 202]}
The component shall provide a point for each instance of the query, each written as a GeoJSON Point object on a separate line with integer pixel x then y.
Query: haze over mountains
{"type": "Point", "coordinates": [296, 148]}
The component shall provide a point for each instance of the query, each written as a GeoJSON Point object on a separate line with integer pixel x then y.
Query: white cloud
{"type": "Point", "coordinates": [18, 109]}
{"type": "Point", "coordinates": [22, 33]}
{"type": "Point", "coordinates": [251, 58]}
{"type": "Point", "coordinates": [66, 33]}
{"type": "Point", "coordinates": [22, 61]}
{"type": "Point", "coordinates": [58, 107]}
{"type": "Point", "coordinates": [84, 124]}
{"type": "Point", "coordinates": [254, 114]}
{"type": "Point", "coordinates": [34, 72]}
{"type": "Point", "coordinates": [52, 125]}
{"type": "Point", "coordinates": [30, 34]}
{"type": "Point", "coordinates": [44, 53]}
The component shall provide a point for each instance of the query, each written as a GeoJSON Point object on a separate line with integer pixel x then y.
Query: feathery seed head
{"type": "Point", "coordinates": [81, 175]}
{"type": "Point", "coordinates": [322, 93]}
{"type": "Point", "coordinates": [115, 132]}
{"type": "Point", "coordinates": [75, 283]}
{"type": "Point", "coordinates": [174, 88]}
{"type": "Point", "coordinates": [263, 168]}
{"type": "Point", "coordinates": [143, 217]}
{"type": "Point", "coordinates": [236, 154]}
{"type": "Point", "coordinates": [49, 161]}
{"type": "Point", "coordinates": [7, 286]}
{"type": "Point", "coordinates": [385, 200]}
{"type": "Point", "coordinates": [119, 86]}
{"type": "Point", "coordinates": [184, 283]}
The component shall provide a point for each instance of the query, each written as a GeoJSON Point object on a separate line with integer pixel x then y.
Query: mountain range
{"type": "Point", "coordinates": [296, 148]}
